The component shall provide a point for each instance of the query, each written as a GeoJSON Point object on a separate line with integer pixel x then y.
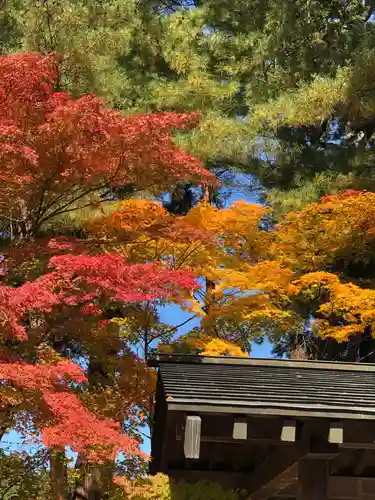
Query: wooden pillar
{"type": "Point", "coordinates": [313, 479]}
{"type": "Point", "coordinates": [192, 442]}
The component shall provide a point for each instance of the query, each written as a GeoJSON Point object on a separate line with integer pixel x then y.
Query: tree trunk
{"type": "Point", "coordinates": [298, 352]}
{"type": "Point", "coordinates": [4, 423]}
{"type": "Point", "coordinates": [210, 285]}
{"type": "Point", "coordinates": [89, 489]}
{"type": "Point", "coordinates": [210, 288]}
{"type": "Point", "coordinates": [58, 473]}
{"type": "Point", "coordinates": [96, 482]}
{"type": "Point", "coordinates": [80, 491]}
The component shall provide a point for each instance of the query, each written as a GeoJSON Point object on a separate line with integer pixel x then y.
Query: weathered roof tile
{"type": "Point", "coordinates": [275, 387]}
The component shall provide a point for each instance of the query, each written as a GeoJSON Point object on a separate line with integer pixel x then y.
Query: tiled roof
{"type": "Point", "coordinates": [275, 387]}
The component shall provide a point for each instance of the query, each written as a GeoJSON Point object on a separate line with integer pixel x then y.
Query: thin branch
{"type": "Point", "coordinates": [179, 326]}
{"type": "Point", "coordinates": [139, 432]}
{"type": "Point", "coordinates": [185, 257]}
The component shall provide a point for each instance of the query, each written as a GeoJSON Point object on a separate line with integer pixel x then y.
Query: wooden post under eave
{"type": "Point", "coordinates": [312, 479]}
{"type": "Point", "coordinates": [240, 428]}
{"type": "Point", "coordinates": [192, 441]}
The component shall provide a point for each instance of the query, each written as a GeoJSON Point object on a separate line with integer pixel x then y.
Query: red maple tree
{"type": "Point", "coordinates": [77, 281]}
{"type": "Point", "coordinates": [58, 155]}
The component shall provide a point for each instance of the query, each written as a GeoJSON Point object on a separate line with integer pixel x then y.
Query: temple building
{"type": "Point", "coordinates": [267, 428]}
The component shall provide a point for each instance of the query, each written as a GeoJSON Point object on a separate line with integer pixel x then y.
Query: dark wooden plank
{"type": "Point", "coordinates": [159, 430]}
{"type": "Point", "coordinates": [359, 445]}
{"type": "Point", "coordinates": [251, 439]}
{"type": "Point", "coordinates": [361, 463]}
{"type": "Point", "coordinates": [285, 411]}
{"type": "Point", "coordinates": [347, 488]}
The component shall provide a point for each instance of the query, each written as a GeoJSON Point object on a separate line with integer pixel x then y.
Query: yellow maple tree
{"type": "Point", "coordinates": [339, 227]}
{"type": "Point", "coordinates": [226, 246]}
{"type": "Point", "coordinates": [219, 347]}
{"type": "Point", "coordinates": [330, 246]}
{"type": "Point", "coordinates": [343, 309]}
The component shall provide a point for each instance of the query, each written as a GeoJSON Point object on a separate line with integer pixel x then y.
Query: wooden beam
{"type": "Point", "coordinates": [240, 428]}
{"type": "Point", "coordinates": [159, 432]}
{"type": "Point", "coordinates": [313, 480]}
{"type": "Point", "coordinates": [231, 440]}
{"type": "Point", "coordinates": [358, 446]}
{"type": "Point", "coordinates": [281, 468]}
{"type": "Point", "coordinates": [336, 433]}
{"type": "Point", "coordinates": [276, 473]}
{"type": "Point", "coordinates": [288, 431]}
{"type": "Point", "coordinates": [211, 407]}
{"type": "Point", "coordinates": [192, 440]}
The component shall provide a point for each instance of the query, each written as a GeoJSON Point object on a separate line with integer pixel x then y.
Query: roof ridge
{"type": "Point", "coordinates": [158, 359]}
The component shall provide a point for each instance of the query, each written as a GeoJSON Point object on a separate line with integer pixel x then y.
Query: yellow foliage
{"type": "Point", "coordinates": [193, 342]}
{"type": "Point", "coordinates": [161, 487]}
{"type": "Point", "coordinates": [254, 272]}
{"type": "Point", "coordinates": [138, 215]}
{"type": "Point", "coordinates": [256, 309]}
{"type": "Point", "coordinates": [144, 230]}
{"type": "Point", "coordinates": [344, 309]}
{"type": "Point", "coordinates": [219, 347]}
{"type": "Point", "coordinates": [337, 227]}
{"type": "Point", "coordinates": [266, 276]}
{"type": "Point", "coordinates": [315, 280]}
{"type": "Point", "coordinates": [225, 246]}
{"type": "Point", "coordinates": [10, 397]}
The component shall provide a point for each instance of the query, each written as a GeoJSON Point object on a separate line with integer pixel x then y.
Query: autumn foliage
{"type": "Point", "coordinates": [227, 246]}
{"type": "Point", "coordinates": [58, 152]}
{"type": "Point", "coordinates": [338, 228]}
{"type": "Point", "coordinates": [78, 315]}
{"type": "Point", "coordinates": [329, 245]}
{"type": "Point", "coordinates": [93, 279]}
{"type": "Point", "coordinates": [58, 155]}
{"type": "Point", "coordinates": [267, 280]}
